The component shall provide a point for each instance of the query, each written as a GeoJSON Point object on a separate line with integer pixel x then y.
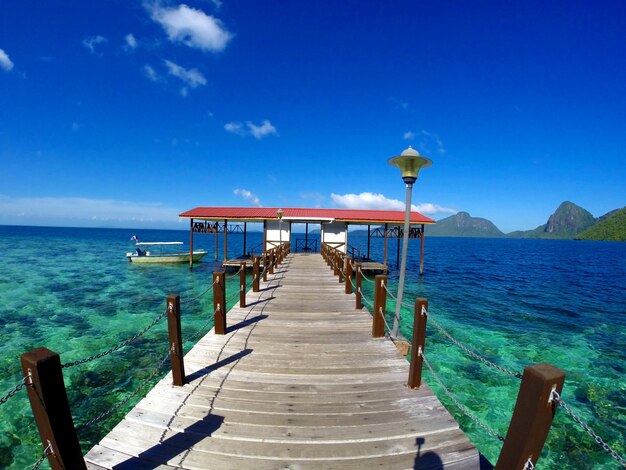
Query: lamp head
{"type": "Point", "coordinates": [279, 212]}
{"type": "Point", "coordinates": [410, 163]}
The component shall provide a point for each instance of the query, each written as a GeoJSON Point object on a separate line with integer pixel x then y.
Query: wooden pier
{"type": "Point", "coordinates": [296, 382]}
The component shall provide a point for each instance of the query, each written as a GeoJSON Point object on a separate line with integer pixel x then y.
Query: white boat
{"type": "Point", "coordinates": [155, 252]}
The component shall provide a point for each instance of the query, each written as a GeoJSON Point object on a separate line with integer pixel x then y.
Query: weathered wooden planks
{"type": "Point", "coordinates": [297, 382]}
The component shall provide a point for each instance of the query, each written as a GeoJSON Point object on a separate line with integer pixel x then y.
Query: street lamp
{"type": "Point", "coordinates": [279, 212]}
{"type": "Point", "coordinates": [410, 163]}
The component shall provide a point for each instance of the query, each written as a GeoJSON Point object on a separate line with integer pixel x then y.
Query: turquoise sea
{"type": "Point", "coordinates": [516, 302]}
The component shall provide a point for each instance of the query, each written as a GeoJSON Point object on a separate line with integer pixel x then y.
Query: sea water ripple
{"type": "Point", "coordinates": [516, 302]}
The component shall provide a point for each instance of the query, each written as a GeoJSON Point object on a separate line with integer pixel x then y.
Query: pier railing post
{"type": "Point", "coordinates": [532, 417]}
{"type": "Point", "coordinates": [176, 340]}
{"type": "Point", "coordinates": [219, 302]}
{"type": "Point", "coordinates": [380, 306]}
{"type": "Point", "coordinates": [348, 269]}
{"type": "Point", "coordinates": [419, 342]}
{"type": "Point", "coordinates": [242, 285]}
{"type": "Point", "coordinates": [341, 264]}
{"type": "Point", "coordinates": [359, 281]}
{"type": "Point", "coordinates": [256, 271]}
{"type": "Point", "coordinates": [336, 267]}
{"type": "Point", "coordinates": [265, 258]}
{"type": "Point", "coordinates": [51, 409]}
{"type": "Point", "coordinates": [272, 261]}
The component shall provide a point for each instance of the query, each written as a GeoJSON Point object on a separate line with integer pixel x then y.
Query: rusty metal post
{"type": "Point", "coordinates": [419, 342]}
{"type": "Point", "coordinates": [242, 285]}
{"type": "Point", "coordinates": [380, 306]}
{"type": "Point", "coordinates": [532, 417]}
{"type": "Point", "coordinates": [176, 339]}
{"type": "Point", "coordinates": [219, 302]}
{"type": "Point", "coordinates": [349, 272]}
{"type": "Point", "coordinates": [51, 409]}
{"type": "Point", "coordinates": [359, 282]}
{"type": "Point", "coordinates": [256, 271]}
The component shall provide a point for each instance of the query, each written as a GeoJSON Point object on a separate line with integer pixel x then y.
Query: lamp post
{"type": "Point", "coordinates": [279, 212]}
{"type": "Point", "coordinates": [410, 163]}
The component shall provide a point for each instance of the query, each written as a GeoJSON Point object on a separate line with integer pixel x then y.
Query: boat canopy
{"type": "Point", "coordinates": [159, 243]}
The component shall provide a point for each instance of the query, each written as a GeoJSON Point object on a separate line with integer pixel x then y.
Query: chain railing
{"type": "Point", "coordinates": [117, 347]}
{"type": "Point", "coordinates": [463, 409]}
{"type": "Point", "coordinates": [48, 451]}
{"type": "Point", "coordinates": [607, 448]}
{"type": "Point", "coordinates": [473, 354]}
{"type": "Point", "coordinates": [119, 405]}
{"type": "Point", "coordinates": [11, 393]}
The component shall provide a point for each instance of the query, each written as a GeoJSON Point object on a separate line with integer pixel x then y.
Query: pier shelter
{"type": "Point", "coordinates": [277, 225]}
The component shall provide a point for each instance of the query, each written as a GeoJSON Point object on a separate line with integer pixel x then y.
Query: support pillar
{"type": "Point", "coordinates": [386, 243]}
{"type": "Point", "coordinates": [51, 409]}
{"type": "Point", "coordinates": [225, 240]}
{"type": "Point", "coordinates": [245, 234]}
{"type": "Point", "coordinates": [422, 251]}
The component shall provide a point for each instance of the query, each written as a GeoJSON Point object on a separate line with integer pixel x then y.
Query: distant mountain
{"type": "Point", "coordinates": [610, 227]}
{"type": "Point", "coordinates": [463, 225]}
{"type": "Point", "coordinates": [567, 221]}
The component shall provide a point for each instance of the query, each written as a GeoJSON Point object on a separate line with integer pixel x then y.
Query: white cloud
{"type": "Point", "coordinates": [261, 131]}
{"type": "Point", "coordinates": [234, 128]}
{"type": "Point", "coordinates": [191, 77]}
{"type": "Point", "coordinates": [150, 73]}
{"type": "Point", "coordinates": [85, 212]}
{"type": "Point", "coordinates": [131, 42]}
{"type": "Point", "coordinates": [248, 196]}
{"type": "Point", "coordinates": [258, 132]}
{"type": "Point", "coordinates": [5, 62]}
{"type": "Point", "coordinates": [431, 143]}
{"type": "Point", "coordinates": [91, 43]}
{"type": "Point", "coordinates": [408, 135]}
{"type": "Point", "coordinates": [375, 201]}
{"type": "Point", "coordinates": [191, 27]}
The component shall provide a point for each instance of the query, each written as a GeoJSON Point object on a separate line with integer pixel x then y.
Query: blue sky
{"type": "Point", "coordinates": [126, 113]}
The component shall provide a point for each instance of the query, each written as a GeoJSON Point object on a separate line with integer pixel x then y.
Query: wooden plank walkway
{"type": "Point", "coordinates": [296, 383]}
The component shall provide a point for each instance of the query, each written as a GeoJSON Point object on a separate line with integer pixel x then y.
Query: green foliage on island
{"type": "Point", "coordinates": [567, 221]}
{"type": "Point", "coordinates": [463, 225]}
{"type": "Point", "coordinates": [610, 227]}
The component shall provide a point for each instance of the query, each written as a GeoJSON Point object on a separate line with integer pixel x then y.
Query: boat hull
{"type": "Point", "coordinates": [165, 257]}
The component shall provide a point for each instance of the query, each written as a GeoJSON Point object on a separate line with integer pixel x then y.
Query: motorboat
{"type": "Point", "coordinates": [157, 252]}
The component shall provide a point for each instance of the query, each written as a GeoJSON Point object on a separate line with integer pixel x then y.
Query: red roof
{"type": "Point", "coordinates": [301, 214]}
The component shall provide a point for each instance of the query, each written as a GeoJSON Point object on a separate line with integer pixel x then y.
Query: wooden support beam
{"type": "Point", "coordinates": [380, 306]}
{"type": "Point", "coordinates": [219, 302]}
{"type": "Point", "coordinates": [386, 243]}
{"type": "Point", "coordinates": [242, 285]}
{"type": "Point", "coordinates": [190, 243]}
{"type": "Point", "coordinates": [245, 236]}
{"type": "Point", "coordinates": [348, 269]}
{"type": "Point", "coordinates": [359, 282]}
{"type": "Point", "coordinates": [225, 240]}
{"type": "Point", "coordinates": [419, 342]}
{"type": "Point", "coordinates": [423, 234]}
{"type": "Point", "coordinates": [51, 409]}
{"type": "Point", "coordinates": [532, 416]}
{"type": "Point", "coordinates": [256, 272]}
{"type": "Point", "coordinates": [176, 340]}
